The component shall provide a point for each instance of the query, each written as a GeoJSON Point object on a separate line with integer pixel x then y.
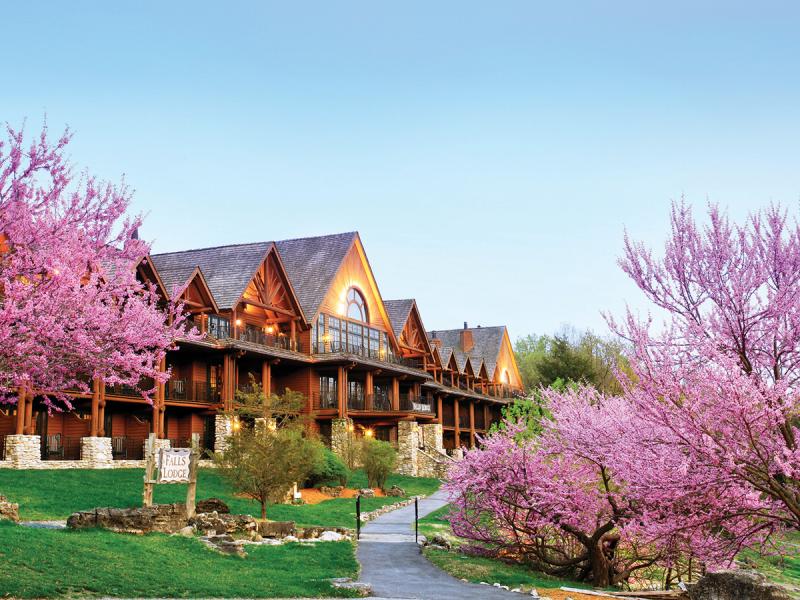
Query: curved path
{"type": "Point", "coordinates": [392, 563]}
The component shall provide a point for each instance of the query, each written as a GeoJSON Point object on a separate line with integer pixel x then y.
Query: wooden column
{"type": "Point", "coordinates": [486, 416]}
{"type": "Point", "coordinates": [439, 411]}
{"type": "Point", "coordinates": [227, 378]}
{"type": "Point", "coordinates": [471, 424]}
{"type": "Point", "coordinates": [101, 412]}
{"type": "Point", "coordinates": [341, 392]}
{"type": "Point", "coordinates": [369, 390]}
{"type": "Point", "coordinates": [395, 393]}
{"type": "Point", "coordinates": [161, 395]}
{"type": "Point", "coordinates": [93, 429]}
{"type": "Point", "coordinates": [21, 408]}
{"type": "Point", "coordinates": [266, 377]}
{"type": "Point", "coordinates": [293, 334]}
{"type": "Point", "coordinates": [29, 413]}
{"type": "Point", "coordinates": [456, 422]}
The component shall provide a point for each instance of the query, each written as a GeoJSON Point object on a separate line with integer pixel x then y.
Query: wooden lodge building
{"type": "Point", "coordinates": [303, 314]}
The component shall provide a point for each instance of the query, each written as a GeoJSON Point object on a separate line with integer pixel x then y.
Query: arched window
{"type": "Point", "coordinates": [356, 306]}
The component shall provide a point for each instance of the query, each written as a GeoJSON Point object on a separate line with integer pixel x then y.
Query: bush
{"type": "Point", "coordinates": [379, 460]}
{"type": "Point", "coordinates": [330, 469]}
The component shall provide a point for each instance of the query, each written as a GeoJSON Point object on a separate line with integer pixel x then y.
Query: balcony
{"type": "Point", "coordinates": [219, 328]}
{"type": "Point", "coordinates": [184, 390]}
{"type": "Point", "coordinates": [463, 417]}
{"type": "Point", "coordinates": [356, 400]}
{"type": "Point", "coordinates": [419, 404]}
{"type": "Point", "coordinates": [129, 391]}
{"type": "Point", "coordinates": [365, 352]}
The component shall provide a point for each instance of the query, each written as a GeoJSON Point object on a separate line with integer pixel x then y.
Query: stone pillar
{"type": "Point", "coordinates": [432, 437]}
{"type": "Point", "coordinates": [407, 447]}
{"type": "Point", "coordinates": [96, 452]}
{"type": "Point", "coordinates": [458, 453]}
{"type": "Point", "coordinates": [343, 440]}
{"type": "Point", "coordinates": [223, 429]}
{"type": "Point", "coordinates": [24, 451]}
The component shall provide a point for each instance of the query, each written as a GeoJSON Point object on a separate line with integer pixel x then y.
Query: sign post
{"type": "Point", "coordinates": [173, 465]}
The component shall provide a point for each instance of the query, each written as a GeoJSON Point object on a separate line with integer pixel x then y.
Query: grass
{"type": "Point", "coordinates": [783, 567]}
{"type": "Point", "coordinates": [40, 563]}
{"type": "Point", "coordinates": [55, 494]}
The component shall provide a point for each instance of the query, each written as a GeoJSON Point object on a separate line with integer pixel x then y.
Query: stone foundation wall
{"type": "Point", "coordinates": [23, 451]}
{"type": "Point", "coordinates": [96, 452]}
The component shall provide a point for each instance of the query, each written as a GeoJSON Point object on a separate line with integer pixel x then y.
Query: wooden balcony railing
{"type": "Point", "coordinates": [184, 390]}
{"type": "Point", "coordinates": [325, 400]}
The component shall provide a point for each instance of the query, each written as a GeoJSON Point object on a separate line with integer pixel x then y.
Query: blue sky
{"type": "Point", "coordinates": [490, 154]}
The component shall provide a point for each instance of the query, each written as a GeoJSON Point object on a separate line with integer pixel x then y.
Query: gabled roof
{"type": "Point", "coordinates": [311, 264]}
{"type": "Point", "coordinates": [487, 340]}
{"type": "Point", "coordinates": [176, 277]}
{"type": "Point", "coordinates": [447, 354]}
{"type": "Point", "coordinates": [398, 310]}
{"type": "Point", "coordinates": [227, 269]}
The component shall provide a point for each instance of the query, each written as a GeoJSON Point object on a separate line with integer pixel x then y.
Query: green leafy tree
{"type": "Point", "coordinates": [264, 458]}
{"type": "Point", "coordinates": [329, 469]}
{"type": "Point", "coordinates": [379, 460]}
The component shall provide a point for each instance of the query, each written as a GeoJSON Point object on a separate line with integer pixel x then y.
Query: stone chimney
{"type": "Point", "coordinates": [435, 341]}
{"type": "Point", "coordinates": [467, 343]}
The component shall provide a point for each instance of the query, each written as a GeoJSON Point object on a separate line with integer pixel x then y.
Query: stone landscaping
{"type": "Point", "coordinates": [8, 510]}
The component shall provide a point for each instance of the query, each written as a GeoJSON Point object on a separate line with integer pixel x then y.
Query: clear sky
{"type": "Point", "coordinates": [490, 154]}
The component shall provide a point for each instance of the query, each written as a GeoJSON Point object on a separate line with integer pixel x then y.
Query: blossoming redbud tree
{"type": "Point", "coordinates": [71, 305]}
{"type": "Point", "coordinates": [717, 386]}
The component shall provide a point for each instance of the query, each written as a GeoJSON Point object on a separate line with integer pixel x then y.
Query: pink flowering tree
{"type": "Point", "coordinates": [716, 387]}
{"type": "Point", "coordinates": [72, 307]}
{"type": "Point", "coordinates": [556, 502]}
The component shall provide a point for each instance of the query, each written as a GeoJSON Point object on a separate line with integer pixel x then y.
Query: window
{"type": "Point", "coordinates": [356, 306]}
{"type": "Point", "coordinates": [506, 379]}
{"type": "Point", "coordinates": [218, 327]}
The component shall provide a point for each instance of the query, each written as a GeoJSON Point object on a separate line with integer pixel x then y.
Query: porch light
{"type": "Point", "coordinates": [236, 425]}
{"type": "Point", "coordinates": [269, 328]}
{"type": "Point", "coordinates": [351, 428]}
{"type": "Point", "coordinates": [238, 322]}
{"type": "Point", "coordinates": [368, 433]}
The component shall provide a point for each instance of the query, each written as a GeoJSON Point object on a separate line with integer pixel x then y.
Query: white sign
{"type": "Point", "coordinates": [173, 465]}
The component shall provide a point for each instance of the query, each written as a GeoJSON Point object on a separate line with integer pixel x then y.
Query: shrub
{"type": "Point", "coordinates": [379, 459]}
{"type": "Point", "coordinates": [330, 469]}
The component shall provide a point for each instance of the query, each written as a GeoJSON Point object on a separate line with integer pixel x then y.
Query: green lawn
{"type": "Point", "coordinates": [477, 569]}
{"type": "Point", "coordinates": [41, 563]}
{"type": "Point", "coordinates": [55, 494]}
{"type": "Point", "coordinates": [781, 567]}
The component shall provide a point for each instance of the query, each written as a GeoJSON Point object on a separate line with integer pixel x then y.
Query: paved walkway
{"type": "Point", "coordinates": [392, 562]}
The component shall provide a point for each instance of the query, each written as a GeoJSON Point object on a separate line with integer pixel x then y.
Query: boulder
{"type": "Point", "coordinates": [331, 536]}
{"type": "Point", "coordinates": [163, 518]}
{"type": "Point", "coordinates": [440, 540]}
{"type": "Point", "coordinates": [223, 523]}
{"type": "Point", "coordinates": [395, 491]}
{"type": "Point", "coordinates": [312, 533]}
{"type": "Point", "coordinates": [276, 529]}
{"type": "Point", "coordinates": [187, 531]}
{"type": "Point", "coordinates": [366, 493]}
{"type": "Point", "coordinates": [8, 510]}
{"type": "Point", "coordinates": [736, 585]}
{"type": "Point", "coordinates": [333, 491]}
{"type": "Point", "coordinates": [212, 505]}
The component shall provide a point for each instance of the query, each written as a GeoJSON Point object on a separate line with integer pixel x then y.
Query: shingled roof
{"type": "Point", "coordinates": [398, 313]}
{"type": "Point", "coordinates": [311, 264]}
{"type": "Point", "coordinates": [227, 269]}
{"type": "Point", "coordinates": [488, 341]}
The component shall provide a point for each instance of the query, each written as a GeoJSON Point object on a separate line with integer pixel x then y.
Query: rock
{"type": "Point", "coordinates": [362, 589]}
{"type": "Point", "coordinates": [8, 510]}
{"type": "Point", "coordinates": [163, 518]}
{"type": "Point", "coordinates": [212, 505]}
{"type": "Point", "coordinates": [187, 531]}
{"type": "Point", "coordinates": [276, 529]}
{"type": "Point", "coordinates": [333, 491]}
{"type": "Point", "coordinates": [366, 493]}
{"type": "Point", "coordinates": [395, 491]}
{"type": "Point", "coordinates": [440, 540]}
{"type": "Point", "coordinates": [291, 538]}
{"type": "Point", "coordinates": [483, 583]}
{"type": "Point", "coordinates": [495, 584]}
{"type": "Point", "coordinates": [331, 536]}
{"type": "Point", "coordinates": [736, 585]}
{"type": "Point", "coordinates": [223, 523]}
{"type": "Point", "coordinates": [534, 593]}
{"type": "Point", "coordinates": [517, 590]}
{"type": "Point", "coordinates": [312, 533]}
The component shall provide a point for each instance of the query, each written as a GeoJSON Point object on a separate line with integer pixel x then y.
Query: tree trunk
{"type": "Point", "coordinates": [601, 567]}
{"type": "Point", "coordinates": [263, 510]}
